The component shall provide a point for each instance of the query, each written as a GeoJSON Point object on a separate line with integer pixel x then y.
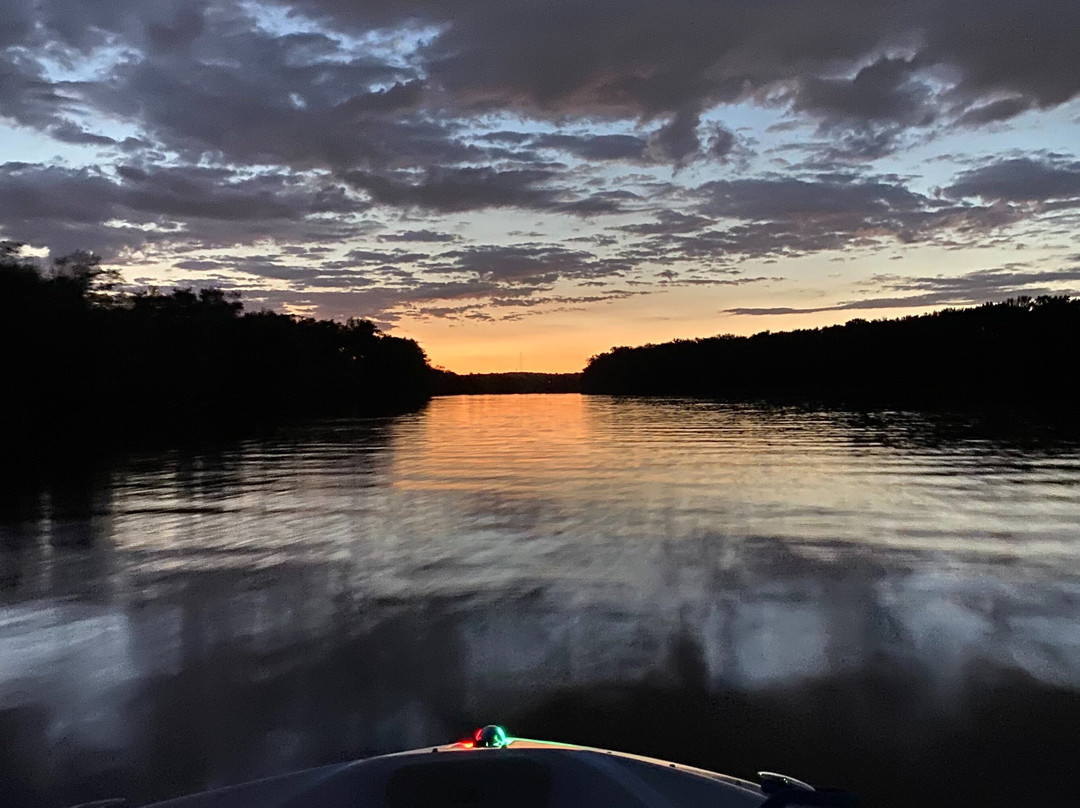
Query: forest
{"type": "Point", "coordinates": [448, 383]}
{"type": "Point", "coordinates": [77, 355]}
{"type": "Point", "coordinates": [1017, 354]}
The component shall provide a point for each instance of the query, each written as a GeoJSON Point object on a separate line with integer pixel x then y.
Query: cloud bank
{"type": "Point", "coordinates": [282, 147]}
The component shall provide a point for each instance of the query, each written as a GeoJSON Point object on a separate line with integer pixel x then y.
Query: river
{"type": "Point", "coordinates": [884, 601]}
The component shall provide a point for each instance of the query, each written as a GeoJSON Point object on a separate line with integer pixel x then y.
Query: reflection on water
{"type": "Point", "coordinates": [887, 602]}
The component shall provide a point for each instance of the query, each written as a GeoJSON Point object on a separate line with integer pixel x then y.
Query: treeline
{"type": "Point", "coordinates": [1021, 353]}
{"type": "Point", "coordinates": [76, 355]}
{"type": "Point", "coordinates": [448, 383]}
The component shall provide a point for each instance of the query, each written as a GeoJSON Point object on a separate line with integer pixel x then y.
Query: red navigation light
{"type": "Point", "coordinates": [490, 737]}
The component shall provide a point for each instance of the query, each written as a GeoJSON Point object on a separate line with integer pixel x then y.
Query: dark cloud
{"type": "Point", "coordinates": [1000, 110]}
{"type": "Point", "coordinates": [677, 141]}
{"type": "Point", "coordinates": [982, 284]}
{"type": "Point", "coordinates": [298, 100]}
{"type": "Point", "coordinates": [969, 289]}
{"type": "Point", "coordinates": [669, 222]}
{"type": "Point", "coordinates": [786, 198]}
{"type": "Point", "coordinates": [74, 208]}
{"type": "Point", "coordinates": [1020, 179]}
{"type": "Point", "coordinates": [883, 91]}
{"type": "Point", "coordinates": [595, 147]}
{"type": "Point", "coordinates": [235, 132]}
{"type": "Point", "coordinates": [403, 95]}
{"type": "Point", "coordinates": [450, 190]}
{"type": "Point", "coordinates": [68, 132]}
{"type": "Point", "coordinates": [27, 97]}
{"type": "Point", "coordinates": [532, 263]}
{"type": "Point", "coordinates": [302, 277]}
{"type": "Point", "coordinates": [17, 22]}
{"type": "Point", "coordinates": [184, 28]}
{"type": "Point", "coordinates": [257, 92]}
{"type": "Point", "coordinates": [1000, 47]}
{"type": "Point", "coordinates": [206, 78]}
{"type": "Point", "coordinates": [201, 265]}
{"type": "Point", "coordinates": [360, 256]}
{"type": "Point", "coordinates": [516, 307]}
{"type": "Point", "coordinates": [866, 115]}
{"type": "Point", "coordinates": [458, 189]}
{"type": "Point", "coordinates": [722, 144]}
{"type": "Point", "coordinates": [261, 273]}
{"type": "Point", "coordinates": [385, 304]}
{"type": "Point", "coordinates": [777, 216]}
{"type": "Point", "coordinates": [516, 276]}
{"type": "Point", "coordinates": [504, 136]}
{"type": "Point", "coordinates": [660, 57]}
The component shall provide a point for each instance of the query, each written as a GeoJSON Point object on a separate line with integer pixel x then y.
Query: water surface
{"type": "Point", "coordinates": [882, 600]}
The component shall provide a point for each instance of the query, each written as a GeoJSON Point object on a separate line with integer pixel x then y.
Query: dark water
{"type": "Point", "coordinates": [886, 602]}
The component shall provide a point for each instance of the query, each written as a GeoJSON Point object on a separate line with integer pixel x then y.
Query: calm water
{"type": "Point", "coordinates": [886, 601]}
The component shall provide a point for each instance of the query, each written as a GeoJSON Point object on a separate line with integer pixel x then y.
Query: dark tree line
{"type": "Point", "coordinates": [76, 355]}
{"type": "Point", "coordinates": [448, 383]}
{"type": "Point", "coordinates": [1022, 353]}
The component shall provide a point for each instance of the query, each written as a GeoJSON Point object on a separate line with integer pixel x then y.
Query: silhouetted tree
{"type": "Point", "coordinates": [449, 383]}
{"type": "Point", "coordinates": [77, 354]}
{"type": "Point", "coordinates": [82, 271]}
{"type": "Point", "coordinates": [1019, 353]}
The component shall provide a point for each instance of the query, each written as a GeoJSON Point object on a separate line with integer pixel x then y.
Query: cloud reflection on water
{"type": "Point", "coordinates": [178, 621]}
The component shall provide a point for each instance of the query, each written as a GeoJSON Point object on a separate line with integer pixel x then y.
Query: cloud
{"type": "Point", "coordinates": [69, 208]}
{"type": "Point", "coordinates": [669, 222]}
{"type": "Point", "coordinates": [786, 198]}
{"type": "Point", "coordinates": [205, 75]}
{"type": "Point", "coordinates": [782, 216]}
{"type": "Point", "coordinates": [677, 140]}
{"type": "Point", "coordinates": [212, 124]}
{"type": "Point", "coordinates": [970, 288]}
{"type": "Point", "coordinates": [385, 285]}
{"type": "Point", "coordinates": [475, 188]}
{"type": "Point", "coordinates": [301, 100]}
{"type": "Point", "coordinates": [68, 132]}
{"type": "Point", "coordinates": [867, 68]}
{"type": "Point", "coordinates": [429, 236]}
{"type": "Point", "coordinates": [1020, 179]}
{"type": "Point", "coordinates": [999, 47]}
{"type": "Point", "coordinates": [866, 113]}
{"type": "Point", "coordinates": [883, 91]}
{"type": "Point", "coordinates": [27, 97]}
{"type": "Point", "coordinates": [722, 144]}
{"type": "Point", "coordinates": [17, 22]}
{"type": "Point", "coordinates": [532, 263]}
{"type": "Point", "coordinates": [184, 28]}
{"type": "Point", "coordinates": [360, 256]}
{"type": "Point", "coordinates": [994, 111]}
{"type": "Point", "coordinates": [594, 147]}
{"type": "Point", "coordinates": [458, 189]}
{"type": "Point", "coordinates": [663, 57]}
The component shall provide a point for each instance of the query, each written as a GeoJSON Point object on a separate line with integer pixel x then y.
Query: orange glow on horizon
{"type": "Point", "coordinates": [537, 347]}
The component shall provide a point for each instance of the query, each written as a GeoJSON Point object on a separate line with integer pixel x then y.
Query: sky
{"type": "Point", "coordinates": [521, 185]}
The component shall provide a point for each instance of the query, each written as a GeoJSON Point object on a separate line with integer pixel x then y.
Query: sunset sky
{"type": "Point", "coordinates": [530, 182]}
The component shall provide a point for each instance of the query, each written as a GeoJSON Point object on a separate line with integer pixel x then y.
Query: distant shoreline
{"type": "Point", "coordinates": [1016, 356]}
{"type": "Point", "coordinates": [448, 383]}
{"type": "Point", "coordinates": [85, 363]}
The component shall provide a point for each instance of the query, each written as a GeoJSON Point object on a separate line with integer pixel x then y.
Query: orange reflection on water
{"type": "Point", "coordinates": [679, 467]}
